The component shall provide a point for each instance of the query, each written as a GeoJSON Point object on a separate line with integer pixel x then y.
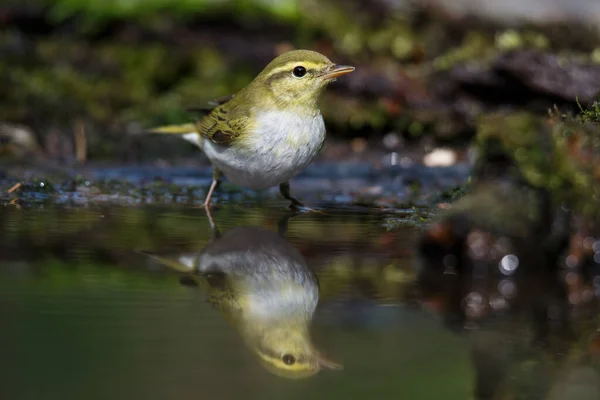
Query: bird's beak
{"type": "Point", "coordinates": [336, 70]}
{"type": "Point", "coordinates": [327, 363]}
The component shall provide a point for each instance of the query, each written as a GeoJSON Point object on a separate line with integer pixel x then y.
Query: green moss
{"type": "Point", "coordinates": [108, 9]}
{"type": "Point", "coordinates": [526, 140]}
{"type": "Point", "coordinates": [131, 77]}
{"type": "Point", "coordinates": [560, 158]}
{"type": "Point", "coordinates": [512, 39]}
{"type": "Point", "coordinates": [590, 115]}
{"type": "Point", "coordinates": [475, 46]}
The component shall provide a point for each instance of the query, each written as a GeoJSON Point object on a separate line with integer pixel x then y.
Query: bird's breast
{"type": "Point", "coordinates": [281, 145]}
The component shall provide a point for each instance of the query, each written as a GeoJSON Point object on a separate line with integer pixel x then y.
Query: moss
{"type": "Point", "coordinates": [417, 219]}
{"type": "Point", "coordinates": [455, 193]}
{"type": "Point", "coordinates": [143, 62]}
{"type": "Point", "coordinates": [527, 141]}
{"type": "Point", "coordinates": [590, 115]}
{"type": "Point", "coordinates": [475, 46]}
{"type": "Point", "coordinates": [513, 39]}
{"type": "Point", "coordinates": [578, 138]}
{"type": "Point", "coordinates": [100, 10]}
{"type": "Point", "coordinates": [561, 158]}
{"type": "Point", "coordinates": [582, 160]}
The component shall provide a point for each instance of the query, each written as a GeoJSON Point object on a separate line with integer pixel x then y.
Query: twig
{"type": "Point", "coordinates": [15, 187]}
{"type": "Point", "coordinates": [80, 140]}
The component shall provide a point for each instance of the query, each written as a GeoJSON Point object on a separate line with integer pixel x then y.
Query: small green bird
{"type": "Point", "coordinates": [261, 284]}
{"type": "Point", "coordinates": [270, 130]}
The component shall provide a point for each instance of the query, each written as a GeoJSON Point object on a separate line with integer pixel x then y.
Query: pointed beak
{"type": "Point", "coordinates": [336, 70]}
{"type": "Point", "coordinates": [327, 363]}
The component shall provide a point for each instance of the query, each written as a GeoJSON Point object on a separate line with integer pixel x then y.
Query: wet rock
{"type": "Point", "coordinates": [526, 78]}
{"type": "Point", "coordinates": [17, 140]}
{"type": "Point", "coordinates": [551, 74]}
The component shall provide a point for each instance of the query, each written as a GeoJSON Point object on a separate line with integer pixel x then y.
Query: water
{"type": "Point", "coordinates": [95, 303]}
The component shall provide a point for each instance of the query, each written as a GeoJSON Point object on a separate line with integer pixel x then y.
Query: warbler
{"type": "Point", "coordinates": [262, 285]}
{"type": "Point", "coordinates": [270, 130]}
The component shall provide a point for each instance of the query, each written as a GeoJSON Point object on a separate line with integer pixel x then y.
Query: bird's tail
{"type": "Point", "coordinates": [186, 131]}
{"type": "Point", "coordinates": [185, 264]}
{"type": "Point", "coordinates": [174, 129]}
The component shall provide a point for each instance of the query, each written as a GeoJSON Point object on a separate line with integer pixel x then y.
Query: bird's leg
{"type": "Point", "coordinates": [296, 206]}
{"type": "Point", "coordinates": [282, 223]}
{"type": "Point", "coordinates": [213, 186]}
{"type": "Point", "coordinates": [213, 226]}
{"type": "Point", "coordinates": [284, 189]}
{"type": "Point", "coordinates": [206, 205]}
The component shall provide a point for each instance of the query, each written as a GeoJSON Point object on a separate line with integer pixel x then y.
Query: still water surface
{"type": "Point", "coordinates": [121, 303]}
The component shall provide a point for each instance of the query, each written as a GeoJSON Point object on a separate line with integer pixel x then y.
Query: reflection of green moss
{"type": "Point", "coordinates": [387, 281]}
{"type": "Point", "coordinates": [553, 374]}
{"type": "Point", "coordinates": [98, 235]}
{"type": "Point", "coordinates": [61, 276]}
{"type": "Point", "coordinates": [502, 209]}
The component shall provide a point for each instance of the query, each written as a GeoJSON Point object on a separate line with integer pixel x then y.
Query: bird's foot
{"type": "Point", "coordinates": [300, 208]}
{"type": "Point", "coordinates": [207, 208]}
{"type": "Point", "coordinates": [295, 204]}
{"type": "Point", "coordinates": [206, 205]}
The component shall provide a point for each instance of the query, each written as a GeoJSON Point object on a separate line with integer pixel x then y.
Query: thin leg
{"type": "Point", "coordinates": [284, 189]}
{"type": "Point", "coordinates": [213, 186]}
{"type": "Point", "coordinates": [211, 221]}
{"type": "Point", "coordinates": [282, 224]}
{"type": "Point", "coordinates": [206, 205]}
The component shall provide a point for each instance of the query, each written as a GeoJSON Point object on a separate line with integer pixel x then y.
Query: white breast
{"type": "Point", "coordinates": [276, 303]}
{"type": "Point", "coordinates": [282, 145]}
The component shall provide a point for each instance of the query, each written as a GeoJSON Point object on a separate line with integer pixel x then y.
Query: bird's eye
{"type": "Point", "coordinates": [299, 71]}
{"type": "Point", "coordinates": [288, 359]}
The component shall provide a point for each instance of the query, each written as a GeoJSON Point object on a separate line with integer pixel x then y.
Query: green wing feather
{"type": "Point", "coordinates": [221, 122]}
{"type": "Point", "coordinates": [224, 124]}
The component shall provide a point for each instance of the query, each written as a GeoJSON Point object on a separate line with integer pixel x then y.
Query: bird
{"type": "Point", "coordinates": [270, 130]}
{"type": "Point", "coordinates": [261, 284]}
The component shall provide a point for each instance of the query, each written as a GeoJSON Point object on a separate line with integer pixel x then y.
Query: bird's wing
{"type": "Point", "coordinates": [224, 124]}
{"type": "Point", "coordinates": [191, 128]}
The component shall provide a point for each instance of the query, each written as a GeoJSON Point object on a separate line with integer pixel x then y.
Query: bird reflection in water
{"type": "Point", "coordinates": [262, 285]}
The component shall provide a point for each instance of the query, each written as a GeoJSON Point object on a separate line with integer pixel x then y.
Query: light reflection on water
{"type": "Point", "coordinates": [85, 314]}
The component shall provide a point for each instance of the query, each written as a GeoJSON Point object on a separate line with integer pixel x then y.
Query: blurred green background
{"type": "Point", "coordinates": [106, 70]}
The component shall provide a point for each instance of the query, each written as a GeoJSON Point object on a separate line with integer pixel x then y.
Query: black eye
{"type": "Point", "coordinates": [299, 71]}
{"type": "Point", "coordinates": [288, 359]}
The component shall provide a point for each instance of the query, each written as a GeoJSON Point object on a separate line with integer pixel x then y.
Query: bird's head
{"type": "Point", "coordinates": [296, 79]}
{"type": "Point", "coordinates": [287, 351]}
